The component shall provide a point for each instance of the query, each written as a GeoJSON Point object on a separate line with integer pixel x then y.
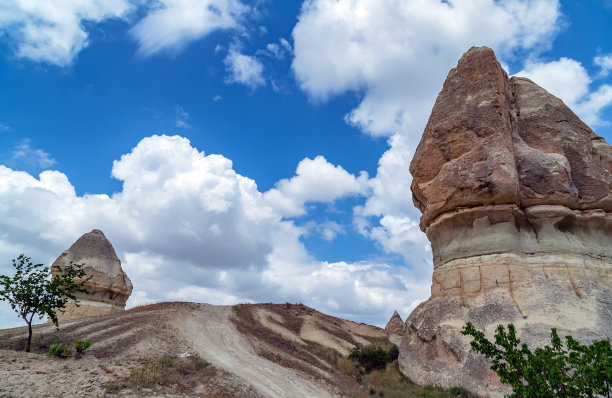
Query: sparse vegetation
{"type": "Point", "coordinates": [60, 350]}
{"type": "Point", "coordinates": [391, 383]}
{"type": "Point", "coordinates": [30, 292]}
{"type": "Point", "coordinates": [551, 371]}
{"type": "Point", "coordinates": [81, 345]}
{"type": "Point", "coordinates": [170, 371]}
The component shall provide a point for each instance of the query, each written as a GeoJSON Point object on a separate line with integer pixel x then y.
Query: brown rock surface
{"type": "Point", "coordinates": [516, 196]}
{"type": "Point", "coordinates": [395, 324]}
{"type": "Point", "coordinates": [108, 289]}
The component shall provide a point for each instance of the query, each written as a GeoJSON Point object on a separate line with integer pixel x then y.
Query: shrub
{"type": "Point", "coordinates": [370, 357]}
{"type": "Point", "coordinates": [81, 345]}
{"type": "Point", "coordinates": [393, 353]}
{"type": "Point", "coordinates": [551, 371]}
{"type": "Point", "coordinates": [60, 350]}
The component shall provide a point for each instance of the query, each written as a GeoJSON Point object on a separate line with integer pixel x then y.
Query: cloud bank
{"type": "Point", "coordinates": [187, 226]}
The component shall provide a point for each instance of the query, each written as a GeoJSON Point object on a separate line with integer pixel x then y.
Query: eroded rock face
{"type": "Point", "coordinates": [516, 196]}
{"type": "Point", "coordinates": [108, 289]}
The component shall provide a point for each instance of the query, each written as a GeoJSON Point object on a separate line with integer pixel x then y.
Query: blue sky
{"type": "Point", "coordinates": [238, 151]}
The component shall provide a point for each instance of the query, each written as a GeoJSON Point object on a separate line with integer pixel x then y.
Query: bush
{"type": "Point", "coordinates": [60, 350]}
{"type": "Point", "coordinates": [370, 357]}
{"type": "Point", "coordinates": [393, 353]}
{"type": "Point", "coordinates": [81, 345]}
{"type": "Point", "coordinates": [551, 371]}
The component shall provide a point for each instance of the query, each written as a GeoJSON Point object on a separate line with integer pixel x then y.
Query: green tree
{"type": "Point", "coordinates": [31, 292]}
{"type": "Point", "coordinates": [550, 371]}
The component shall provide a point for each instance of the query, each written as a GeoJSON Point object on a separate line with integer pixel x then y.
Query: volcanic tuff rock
{"type": "Point", "coordinates": [108, 289]}
{"type": "Point", "coordinates": [395, 324]}
{"type": "Point", "coordinates": [395, 329]}
{"type": "Point", "coordinates": [516, 198]}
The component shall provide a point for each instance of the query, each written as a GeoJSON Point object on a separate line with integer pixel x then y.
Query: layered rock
{"type": "Point", "coordinates": [516, 198]}
{"type": "Point", "coordinates": [109, 287]}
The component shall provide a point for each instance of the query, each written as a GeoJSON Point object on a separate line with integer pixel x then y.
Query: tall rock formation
{"type": "Point", "coordinates": [516, 198]}
{"type": "Point", "coordinates": [108, 289]}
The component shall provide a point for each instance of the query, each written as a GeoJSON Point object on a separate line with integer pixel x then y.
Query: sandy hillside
{"type": "Point", "coordinates": [262, 350]}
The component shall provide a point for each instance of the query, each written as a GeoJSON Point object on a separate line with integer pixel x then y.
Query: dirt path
{"type": "Point", "coordinates": [214, 337]}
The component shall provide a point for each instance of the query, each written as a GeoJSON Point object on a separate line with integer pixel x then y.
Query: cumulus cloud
{"type": "Point", "coordinates": [187, 226]}
{"type": "Point", "coordinates": [173, 24]}
{"type": "Point", "coordinates": [568, 79]}
{"type": "Point", "coordinates": [316, 180]}
{"type": "Point", "coordinates": [54, 31]}
{"type": "Point", "coordinates": [25, 154]}
{"type": "Point", "coordinates": [244, 69]}
{"type": "Point", "coordinates": [397, 53]}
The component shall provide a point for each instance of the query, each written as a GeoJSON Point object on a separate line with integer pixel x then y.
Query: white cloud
{"type": "Point", "coordinates": [181, 117]}
{"type": "Point", "coordinates": [24, 153]}
{"type": "Point", "coordinates": [397, 53]}
{"type": "Point", "coordinates": [359, 291]}
{"type": "Point", "coordinates": [274, 50]}
{"type": "Point", "coordinates": [316, 180]}
{"type": "Point", "coordinates": [569, 80]}
{"type": "Point", "coordinates": [187, 226]}
{"type": "Point", "coordinates": [244, 69]}
{"type": "Point", "coordinates": [278, 50]}
{"type": "Point", "coordinates": [4, 127]}
{"type": "Point", "coordinates": [605, 63]}
{"type": "Point", "coordinates": [285, 44]}
{"type": "Point", "coordinates": [173, 24]}
{"type": "Point", "coordinates": [328, 230]}
{"type": "Point", "coordinates": [54, 31]}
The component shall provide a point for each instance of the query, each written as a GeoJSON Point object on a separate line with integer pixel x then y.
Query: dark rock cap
{"type": "Point", "coordinates": [491, 140]}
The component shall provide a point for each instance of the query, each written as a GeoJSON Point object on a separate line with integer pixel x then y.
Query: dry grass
{"type": "Point", "coordinates": [347, 367]}
{"type": "Point", "coordinates": [391, 383]}
{"type": "Point", "coordinates": [179, 374]}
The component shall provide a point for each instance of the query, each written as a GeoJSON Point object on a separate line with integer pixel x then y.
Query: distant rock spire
{"type": "Point", "coordinates": [395, 324]}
